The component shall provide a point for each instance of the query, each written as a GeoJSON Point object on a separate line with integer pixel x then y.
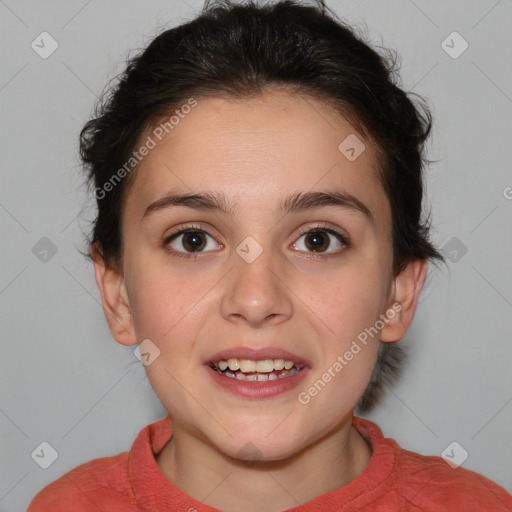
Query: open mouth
{"type": "Point", "coordinates": [256, 371]}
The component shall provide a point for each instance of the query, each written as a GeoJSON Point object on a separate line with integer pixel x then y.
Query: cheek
{"type": "Point", "coordinates": [346, 300]}
{"type": "Point", "coordinates": [162, 300]}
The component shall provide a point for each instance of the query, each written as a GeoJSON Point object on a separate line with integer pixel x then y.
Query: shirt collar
{"type": "Point", "coordinates": [153, 491]}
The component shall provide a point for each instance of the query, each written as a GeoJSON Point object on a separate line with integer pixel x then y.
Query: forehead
{"type": "Point", "coordinates": [258, 150]}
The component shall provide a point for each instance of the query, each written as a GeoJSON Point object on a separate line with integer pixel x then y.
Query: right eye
{"type": "Point", "coordinates": [190, 240]}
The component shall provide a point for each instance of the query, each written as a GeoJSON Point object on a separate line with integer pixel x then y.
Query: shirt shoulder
{"type": "Point", "coordinates": [430, 483]}
{"type": "Point", "coordinates": [100, 484]}
{"type": "Point", "coordinates": [398, 479]}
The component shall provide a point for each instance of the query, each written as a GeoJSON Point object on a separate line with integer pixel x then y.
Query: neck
{"type": "Point", "coordinates": [207, 475]}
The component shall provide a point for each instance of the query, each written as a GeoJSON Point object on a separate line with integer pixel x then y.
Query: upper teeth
{"type": "Point", "coordinates": [261, 366]}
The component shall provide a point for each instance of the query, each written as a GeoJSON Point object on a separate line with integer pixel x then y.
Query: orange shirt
{"type": "Point", "coordinates": [394, 480]}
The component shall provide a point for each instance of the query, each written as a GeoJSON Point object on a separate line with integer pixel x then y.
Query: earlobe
{"type": "Point", "coordinates": [114, 299]}
{"type": "Point", "coordinates": [407, 286]}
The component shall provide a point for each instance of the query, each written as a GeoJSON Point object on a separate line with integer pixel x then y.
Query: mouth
{"type": "Point", "coordinates": [258, 373]}
{"type": "Point", "coordinates": [261, 370]}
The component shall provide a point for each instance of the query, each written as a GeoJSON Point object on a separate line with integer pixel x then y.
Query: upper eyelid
{"type": "Point", "coordinates": [323, 226]}
{"type": "Point", "coordinates": [180, 230]}
{"type": "Point", "coordinates": [320, 225]}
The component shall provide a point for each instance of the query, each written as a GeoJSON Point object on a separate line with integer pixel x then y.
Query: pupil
{"type": "Point", "coordinates": [318, 241]}
{"type": "Point", "coordinates": [193, 241]}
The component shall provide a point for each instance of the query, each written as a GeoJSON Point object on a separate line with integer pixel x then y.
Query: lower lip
{"type": "Point", "coordinates": [255, 389]}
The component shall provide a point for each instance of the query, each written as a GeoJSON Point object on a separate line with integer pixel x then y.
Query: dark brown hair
{"type": "Point", "coordinates": [240, 50]}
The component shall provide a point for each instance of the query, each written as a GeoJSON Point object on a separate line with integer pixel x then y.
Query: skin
{"type": "Point", "coordinates": [257, 151]}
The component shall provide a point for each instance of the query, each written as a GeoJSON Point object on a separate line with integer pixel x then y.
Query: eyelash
{"type": "Point", "coordinates": [342, 238]}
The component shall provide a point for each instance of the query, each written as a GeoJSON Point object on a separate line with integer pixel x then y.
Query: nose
{"type": "Point", "coordinates": [256, 293]}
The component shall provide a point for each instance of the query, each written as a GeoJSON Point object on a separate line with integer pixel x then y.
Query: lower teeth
{"type": "Point", "coordinates": [260, 377]}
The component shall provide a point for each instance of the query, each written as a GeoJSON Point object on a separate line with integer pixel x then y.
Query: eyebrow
{"type": "Point", "coordinates": [296, 202]}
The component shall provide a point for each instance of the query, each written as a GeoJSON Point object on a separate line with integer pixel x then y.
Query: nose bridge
{"type": "Point", "coordinates": [255, 291]}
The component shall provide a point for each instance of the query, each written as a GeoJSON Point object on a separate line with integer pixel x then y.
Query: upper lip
{"type": "Point", "coordinates": [256, 354]}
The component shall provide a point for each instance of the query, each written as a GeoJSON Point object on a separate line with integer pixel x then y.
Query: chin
{"type": "Point", "coordinates": [260, 451]}
{"type": "Point", "coordinates": [266, 441]}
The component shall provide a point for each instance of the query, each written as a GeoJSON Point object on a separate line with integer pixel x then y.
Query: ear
{"type": "Point", "coordinates": [406, 288]}
{"type": "Point", "coordinates": [114, 298]}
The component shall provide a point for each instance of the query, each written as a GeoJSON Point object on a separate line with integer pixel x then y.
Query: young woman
{"type": "Point", "coordinates": [258, 176]}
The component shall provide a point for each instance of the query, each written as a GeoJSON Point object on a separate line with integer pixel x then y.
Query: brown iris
{"type": "Point", "coordinates": [317, 241]}
{"type": "Point", "coordinates": [194, 241]}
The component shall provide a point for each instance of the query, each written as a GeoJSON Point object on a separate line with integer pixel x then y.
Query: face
{"type": "Point", "coordinates": [288, 255]}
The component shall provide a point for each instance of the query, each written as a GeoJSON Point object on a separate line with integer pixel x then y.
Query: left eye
{"type": "Point", "coordinates": [319, 241]}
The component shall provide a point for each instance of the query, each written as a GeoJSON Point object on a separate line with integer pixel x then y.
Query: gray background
{"type": "Point", "coordinates": [67, 382]}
